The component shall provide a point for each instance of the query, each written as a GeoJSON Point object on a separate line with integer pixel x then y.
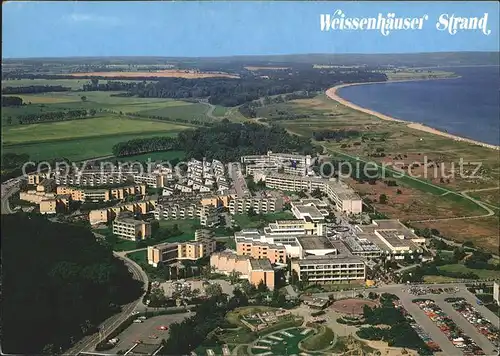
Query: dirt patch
{"type": "Point", "coordinates": [168, 73]}
{"type": "Point", "coordinates": [352, 306]}
{"type": "Point", "coordinates": [266, 68]}
{"type": "Point", "coordinates": [390, 351]}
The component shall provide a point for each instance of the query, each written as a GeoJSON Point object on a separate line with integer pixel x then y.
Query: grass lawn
{"type": "Point", "coordinates": [139, 256]}
{"type": "Point", "coordinates": [124, 245]}
{"type": "Point", "coordinates": [84, 128]}
{"type": "Point", "coordinates": [482, 273]}
{"type": "Point", "coordinates": [187, 226]}
{"type": "Point", "coordinates": [320, 340]}
{"type": "Point", "coordinates": [154, 156]}
{"type": "Point", "coordinates": [220, 111]}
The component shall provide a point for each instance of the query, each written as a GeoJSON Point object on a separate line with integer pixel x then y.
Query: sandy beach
{"type": "Point", "coordinates": [332, 94]}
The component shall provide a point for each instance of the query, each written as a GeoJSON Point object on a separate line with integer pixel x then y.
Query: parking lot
{"type": "Point", "coordinates": [143, 331]}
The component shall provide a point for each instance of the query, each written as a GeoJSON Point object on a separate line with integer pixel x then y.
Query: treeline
{"type": "Point", "coordinates": [61, 287]}
{"type": "Point", "coordinates": [11, 101]}
{"type": "Point", "coordinates": [34, 89]}
{"type": "Point", "coordinates": [336, 135]}
{"type": "Point", "coordinates": [55, 116]}
{"type": "Point", "coordinates": [232, 92]}
{"type": "Point", "coordinates": [224, 141]}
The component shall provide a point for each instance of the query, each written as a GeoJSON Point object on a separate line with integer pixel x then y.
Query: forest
{"type": "Point", "coordinates": [225, 141]}
{"type": "Point", "coordinates": [233, 92]}
{"type": "Point", "coordinates": [34, 89]}
{"type": "Point", "coordinates": [11, 101]}
{"type": "Point", "coordinates": [58, 284]}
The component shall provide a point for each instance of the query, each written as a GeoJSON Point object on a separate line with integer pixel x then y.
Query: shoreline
{"type": "Point", "coordinates": [332, 93]}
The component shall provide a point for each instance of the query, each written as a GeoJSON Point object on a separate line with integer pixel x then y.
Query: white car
{"type": "Point", "coordinates": [138, 321]}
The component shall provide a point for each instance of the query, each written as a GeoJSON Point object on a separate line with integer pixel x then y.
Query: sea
{"type": "Point", "coordinates": [468, 106]}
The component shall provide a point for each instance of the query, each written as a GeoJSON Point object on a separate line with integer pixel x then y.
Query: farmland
{"type": "Point", "coordinates": [85, 128]}
{"type": "Point", "coordinates": [168, 73]}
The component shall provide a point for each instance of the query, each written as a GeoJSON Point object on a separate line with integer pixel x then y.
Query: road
{"type": "Point", "coordinates": [88, 343]}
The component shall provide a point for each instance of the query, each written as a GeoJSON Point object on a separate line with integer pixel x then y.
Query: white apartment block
{"type": "Point", "coordinates": [345, 199]}
{"type": "Point", "coordinates": [131, 229]}
{"type": "Point", "coordinates": [328, 269]}
{"type": "Point", "coordinates": [289, 163]}
{"type": "Point", "coordinates": [260, 205]}
{"type": "Point", "coordinates": [207, 214]}
{"type": "Point", "coordinates": [152, 180]}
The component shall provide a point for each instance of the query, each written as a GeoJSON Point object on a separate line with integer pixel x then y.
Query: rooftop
{"type": "Point", "coordinates": [329, 259]}
{"type": "Point", "coordinates": [261, 264]}
{"type": "Point", "coordinates": [314, 242]}
{"type": "Point", "coordinates": [309, 210]}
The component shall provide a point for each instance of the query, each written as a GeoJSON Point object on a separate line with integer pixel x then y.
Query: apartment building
{"type": "Point", "coordinates": [153, 180]}
{"type": "Point", "coordinates": [292, 164]}
{"type": "Point", "coordinates": [203, 245]}
{"type": "Point", "coordinates": [253, 270]}
{"type": "Point", "coordinates": [247, 244]}
{"type": "Point", "coordinates": [295, 227]}
{"type": "Point", "coordinates": [330, 268]}
{"type": "Point", "coordinates": [130, 190]}
{"type": "Point", "coordinates": [96, 195]}
{"type": "Point", "coordinates": [98, 216]}
{"type": "Point", "coordinates": [76, 193]}
{"type": "Point", "coordinates": [261, 205]}
{"type": "Point", "coordinates": [60, 203]}
{"type": "Point", "coordinates": [35, 197]}
{"type": "Point", "coordinates": [131, 229]}
{"type": "Point", "coordinates": [36, 178]}
{"type": "Point", "coordinates": [187, 209]}
{"type": "Point", "coordinates": [345, 199]}
{"type": "Point", "coordinates": [496, 292]}
{"type": "Point", "coordinates": [165, 253]}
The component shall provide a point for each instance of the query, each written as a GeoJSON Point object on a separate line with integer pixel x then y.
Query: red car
{"type": "Point", "coordinates": [162, 327]}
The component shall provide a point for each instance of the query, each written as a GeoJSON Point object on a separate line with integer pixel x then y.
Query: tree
{"type": "Point", "coordinates": [302, 194]}
{"type": "Point", "coordinates": [251, 212]}
{"type": "Point", "coordinates": [248, 288]}
{"type": "Point", "coordinates": [261, 287]}
{"type": "Point", "coordinates": [382, 199]}
{"type": "Point", "coordinates": [84, 98]}
{"type": "Point", "coordinates": [157, 297]}
{"type": "Point", "coordinates": [234, 277]}
{"type": "Point", "coordinates": [92, 112]}
{"type": "Point", "coordinates": [213, 290]}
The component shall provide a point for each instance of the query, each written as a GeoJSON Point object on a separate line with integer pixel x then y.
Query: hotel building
{"type": "Point", "coordinates": [131, 229]}
{"type": "Point", "coordinates": [253, 270]}
{"type": "Point", "coordinates": [328, 269]}
{"type": "Point", "coordinates": [345, 199]}
{"type": "Point", "coordinates": [289, 163]}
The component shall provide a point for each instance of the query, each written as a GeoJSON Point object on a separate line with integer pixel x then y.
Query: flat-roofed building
{"type": "Point", "coordinates": [316, 246]}
{"type": "Point", "coordinates": [293, 164]}
{"type": "Point", "coordinates": [153, 180]}
{"type": "Point", "coordinates": [328, 269]}
{"type": "Point", "coordinates": [203, 245]}
{"type": "Point", "coordinates": [130, 190]}
{"type": "Point", "coordinates": [165, 253]}
{"type": "Point", "coordinates": [393, 238]}
{"type": "Point", "coordinates": [35, 197]}
{"type": "Point", "coordinates": [496, 292]}
{"type": "Point", "coordinates": [131, 229]}
{"type": "Point", "coordinates": [76, 193]}
{"type": "Point", "coordinates": [295, 227]}
{"type": "Point", "coordinates": [254, 270]}
{"type": "Point", "coordinates": [36, 178]}
{"type": "Point", "coordinates": [345, 199]}
{"type": "Point", "coordinates": [95, 195]}
{"type": "Point", "coordinates": [261, 205]}
{"type": "Point", "coordinates": [260, 250]}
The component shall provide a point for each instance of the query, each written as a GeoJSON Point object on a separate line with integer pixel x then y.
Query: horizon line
{"type": "Point", "coordinates": [252, 55]}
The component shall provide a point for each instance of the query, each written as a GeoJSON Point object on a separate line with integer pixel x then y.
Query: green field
{"type": "Point", "coordinates": [139, 256]}
{"type": "Point", "coordinates": [76, 150]}
{"type": "Point", "coordinates": [482, 273]}
{"type": "Point", "coordinates": [187, 226]}
{"type": "Point", "coordinates": [288, 346]}
{"type": "Point", "coordinates": [84, 128]}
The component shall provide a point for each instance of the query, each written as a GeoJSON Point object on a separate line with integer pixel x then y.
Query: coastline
{"type": "Point", "coordinates": [332, 93]}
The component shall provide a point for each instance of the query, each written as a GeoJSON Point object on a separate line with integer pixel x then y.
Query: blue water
{"type": "Point", "coordinates": [468, 106]}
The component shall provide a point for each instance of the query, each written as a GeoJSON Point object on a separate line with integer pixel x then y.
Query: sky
{"type": "Point", "coordinates": [208, 29]}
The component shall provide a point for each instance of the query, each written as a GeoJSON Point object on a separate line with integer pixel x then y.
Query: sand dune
{"type": "Point", "coordinates": [332, 94]}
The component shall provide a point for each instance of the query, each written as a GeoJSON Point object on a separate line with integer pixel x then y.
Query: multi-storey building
{"type": "Point", "coordinates": [131, 229]}
{"type": "Point", "coordinates": [496, 292]}
{"type": "Point", "coordinates": [105, 215]}
{"type": "Point", "coordinates": [256, 271]}
{"type": "Point", "coordinates": [153, 180]}
{"type": "Point", "coordinates": [328, 269]}
{"type": "Point", "coordinates": [250, 244]}
{"type": "Point", "coordinates": [288, 163]}
{"type": "Point", "coordinates": [345, 199]}
{"type": "Point", "coordinates": [165, 253]}
{"type": "Point", "coordinates": [260, 205]}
